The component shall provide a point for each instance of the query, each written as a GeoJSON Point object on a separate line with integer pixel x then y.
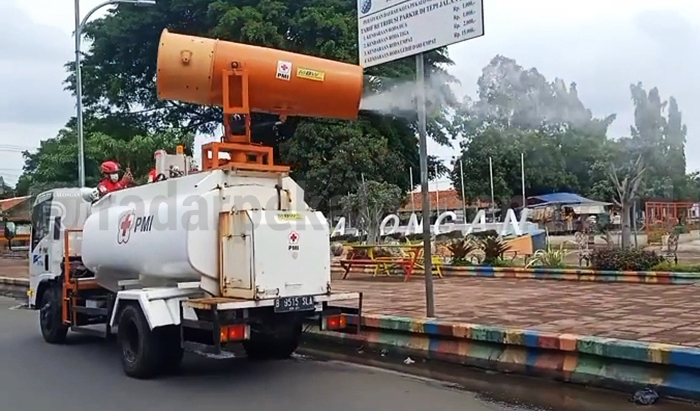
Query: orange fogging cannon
{"type": "Point", "coordinates": [242, 79]}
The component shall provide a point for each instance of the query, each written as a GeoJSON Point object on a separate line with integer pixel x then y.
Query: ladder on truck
{"type": "Point", "coordinates": [75, 289]}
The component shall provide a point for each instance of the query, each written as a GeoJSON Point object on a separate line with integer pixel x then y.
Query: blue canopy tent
{"type": "Point", "coordinates": [571, 199]}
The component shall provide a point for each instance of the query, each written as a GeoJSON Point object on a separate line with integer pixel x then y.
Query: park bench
{"type": "Point", "coordinates": [363, 256]}
{"type": "Point", "coordinates": [379, 263]}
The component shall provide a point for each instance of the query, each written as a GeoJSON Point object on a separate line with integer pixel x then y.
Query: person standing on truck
{"type": "Point", "coordinates": [110, 181]}
{"type": "Point", "coordinates": [152, 176]}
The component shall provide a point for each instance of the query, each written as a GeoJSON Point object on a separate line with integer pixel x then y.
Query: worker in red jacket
{"type": "Point", "coordinates": [152, 176]}
{"type": "Point", "coordinates": [110, 181]}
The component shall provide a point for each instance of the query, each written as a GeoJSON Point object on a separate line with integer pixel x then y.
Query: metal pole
{"type": "Point", "coordinates": [79, 24]}
{"type": "Point", "coordinates": [522, 176]}
{"type": "Point", "coordinates": [493, 201]}
{"type": "Point", "coordinates": [634, 223]}
{"type": "Point", "coordinates": [79, 98]}
{"type": "Point", "coordinates": [464, 200]}
{"type": "Point", "coordinates": [420, 82]}
{"type": "Point", "coordinates": [413, 206]}
{"type": "Point", "coordinates": [437, 193]}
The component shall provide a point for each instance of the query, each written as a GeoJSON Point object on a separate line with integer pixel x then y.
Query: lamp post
{"type": "Point", "coordinates": [79, 25]}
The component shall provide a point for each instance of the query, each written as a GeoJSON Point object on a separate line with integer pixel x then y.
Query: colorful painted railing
{"type": "Point", "coordinates": [569, 274]}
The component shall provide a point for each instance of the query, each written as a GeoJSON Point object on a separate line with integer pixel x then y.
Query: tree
{"type": "Point", "coordinates": [520, 111]}
{"type": "Point", "coordinates": [6, 191]}
{"type": "Point", "coordinates": [659, 129]}
{"type": "Point", "coordinates": [513, 97]}
{"type": "Point", "coordinates": [54, 164]}
{"type": "Point", "coordinates": [332, 156]}
{"type": "Point", "coordinates": [120, 68]}
{"type": "Point", "coordinates": [626, 172]}
{"type": "Point", "coordinates": [370, 203]}
{"type": "Point", "coordinates": [556, 159]}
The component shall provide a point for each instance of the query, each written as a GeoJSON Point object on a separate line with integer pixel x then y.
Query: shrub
{"type": "Point", "coordinates": [460, 250]}
{"type": "Point", "coordinates": [669, 266]}
{"type": "Point", "coordinates": [549, 258]}
{"type": "Point", "coordinates": [493, 249]}
{"type": "Point", "coordinates": [617, 259]}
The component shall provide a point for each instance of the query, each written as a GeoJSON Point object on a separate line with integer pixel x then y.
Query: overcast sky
{"type": "Point", "coordinates": [602, 45]}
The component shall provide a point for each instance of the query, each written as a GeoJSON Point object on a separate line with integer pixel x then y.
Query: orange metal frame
{"type": "Point", "coordinates": [71, 286]}
{"type": "Point", "coordinates": [242, 152]}
{"type": "Point", "coordinates": [664, 215]}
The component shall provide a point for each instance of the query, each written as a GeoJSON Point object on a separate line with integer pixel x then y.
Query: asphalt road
{"type": "Point", "coordinates": [86, 375]}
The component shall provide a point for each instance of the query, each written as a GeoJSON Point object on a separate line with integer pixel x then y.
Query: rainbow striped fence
{"type": "Point", "coordinates": [674, 371]}
{"type": "Point", "coordinates": [563, 274]}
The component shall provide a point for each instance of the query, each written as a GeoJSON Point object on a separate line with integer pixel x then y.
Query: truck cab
{"type": "Point", "coordinates": [55, 214]}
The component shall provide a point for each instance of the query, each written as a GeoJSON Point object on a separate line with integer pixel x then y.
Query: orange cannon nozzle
{"type": "Point", "coordinates": [191, 69]}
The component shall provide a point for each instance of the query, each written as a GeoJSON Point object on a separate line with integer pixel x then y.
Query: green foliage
{"type": "Point", "coordinates": [370, 204]}
{"type": "Point", "coordinates": [120, 67]}
{"type": "Point", "coordinates": [460, 250]}
{"type": "Point", "coordinates": [6, 191]}
{"type": "Point", "coordinates": [494, 249]}
{"type": "Point", "coordinates": [565, 147]}
{"type": "Point", "coordinates": [329, 157]}
{"type": "Point", "coordinates": [669, 266]}
{"type": "Point", "coordinates": [55, 163]}
{"type": "Point", "coordinates": [624, 259]}
{"type": "Point", "coordinates": [549, 258]}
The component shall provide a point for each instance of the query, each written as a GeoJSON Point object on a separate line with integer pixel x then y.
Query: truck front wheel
{"type": "Point", "coordinates": [140, 356]}
{"type": "Point", "coordinates": [50, 319]}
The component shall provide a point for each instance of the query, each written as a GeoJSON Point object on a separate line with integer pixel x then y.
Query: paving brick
{"type": "Point", "coordinates": [647, 312]}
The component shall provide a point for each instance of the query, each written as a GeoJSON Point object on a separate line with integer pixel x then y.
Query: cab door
{"type": "Point", "coordinates": [42, 237]}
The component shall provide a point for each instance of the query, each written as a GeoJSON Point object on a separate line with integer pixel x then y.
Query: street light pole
{"type": "Point", "coordinates": [79, 25]}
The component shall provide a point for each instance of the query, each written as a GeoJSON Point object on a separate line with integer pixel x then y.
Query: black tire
{"type": "Point", "coordinates": [50, 316]}
{"type": "Point", "coordinates": [279, 346]}
{"type": "Point", "coordinates": [170, 348]}
{"type": "Point", "coordinates": [140, 356]}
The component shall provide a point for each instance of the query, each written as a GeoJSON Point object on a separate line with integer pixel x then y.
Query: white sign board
{"type": "Point", "coordinates": [393, 29]}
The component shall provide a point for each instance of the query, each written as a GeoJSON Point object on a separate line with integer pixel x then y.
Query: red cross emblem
{"type": "Point", "coordinates": [125, 228]}
{"type": "Point", "coordinates": [285, 67]}
{"type": "Point", "coordinates": [293, 237]}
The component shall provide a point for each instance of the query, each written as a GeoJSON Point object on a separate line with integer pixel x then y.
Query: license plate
{"type": "Point", "coordinates": [291, 304]}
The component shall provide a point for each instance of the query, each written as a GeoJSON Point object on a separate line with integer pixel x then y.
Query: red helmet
{"type": "Point", "coordinates": [109, 167]}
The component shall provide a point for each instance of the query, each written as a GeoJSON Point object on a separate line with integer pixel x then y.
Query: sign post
{"type": "Point", "coordinates": [390, 30]}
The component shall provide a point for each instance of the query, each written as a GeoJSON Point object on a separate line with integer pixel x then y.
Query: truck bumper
{"type": "Point", "coordinates": [217, 316]}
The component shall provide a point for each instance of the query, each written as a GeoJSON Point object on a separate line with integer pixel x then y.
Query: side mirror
{"type": "Point", "coordinates": [10, 230]}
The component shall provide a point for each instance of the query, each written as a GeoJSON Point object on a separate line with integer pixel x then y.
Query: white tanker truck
{"type": "Point", "coordinates": [211, 261]}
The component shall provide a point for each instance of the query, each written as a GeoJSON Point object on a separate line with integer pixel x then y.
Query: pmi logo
{"type": "Point", "coordinates": [366, 6]}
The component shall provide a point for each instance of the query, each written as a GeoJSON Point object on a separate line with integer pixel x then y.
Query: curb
{"type": "Point", "coordinates": [14, 287]}
{"type": "Point", "coordinates": [674, 371]}
{"type": "Point", "coordinates": [556, 274]}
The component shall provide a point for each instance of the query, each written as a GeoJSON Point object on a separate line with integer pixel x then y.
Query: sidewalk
{"type": "Point", "coordinates": [14, 267]}
{"type": "Point", "coordinates": [642, 312]}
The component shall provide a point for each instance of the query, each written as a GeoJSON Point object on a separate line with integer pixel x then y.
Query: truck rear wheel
{"type": "Point", "coordinates": [140, 356]}
{"type": "Point", "coordinates": [278, 346]}
{"type": "Point", "coordinates": [50, 318]}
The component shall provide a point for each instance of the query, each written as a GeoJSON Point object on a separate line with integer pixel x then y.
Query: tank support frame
{"type": "Point", "coordinates": [242, 152]}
